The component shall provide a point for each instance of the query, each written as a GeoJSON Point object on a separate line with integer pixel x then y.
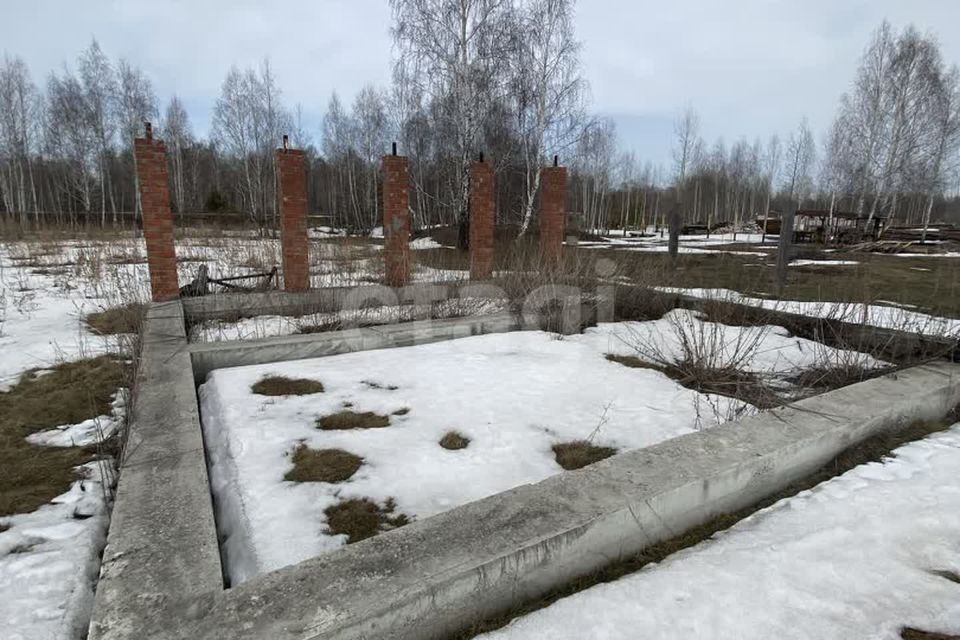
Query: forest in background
{"type": "Point", "coordinates": [498, 77]}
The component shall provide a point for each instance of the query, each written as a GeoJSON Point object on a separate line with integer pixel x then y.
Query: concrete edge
{"type": "Point", "coordinates": [208, 356]}
{"type": "Point", "coordinates": [162, 542]}
{"type": "Point", "coordinates": [437, 575]}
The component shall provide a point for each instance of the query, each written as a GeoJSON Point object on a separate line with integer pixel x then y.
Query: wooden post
{"type": "Point", "coordinates": [785, 250]}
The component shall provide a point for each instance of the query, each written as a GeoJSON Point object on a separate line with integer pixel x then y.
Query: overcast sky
{"type": "Point", "coordinates": [749, 67]}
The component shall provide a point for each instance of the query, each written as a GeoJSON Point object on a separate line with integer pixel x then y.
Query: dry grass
{"type": "Point", "coordinates": [362, 518]}
{"type": "Point", "coordinates": [819, 378]}
{"type": "Point", "coordinates": [66, 394]}
{"type": "Point", "coordinates": [283, 386]}
{"type": "Point", "coordinates": [579, 454]}
{"type": "Point", "coordinates": [454, 440]}
{"type": "Point", "coordinates": [322, 465]}
{"type": "Point", "coordinates": [126, 318]}
{"type": "Point", "coordinates": [724, 381]}
{"type": "Point", "coordinates": [345, 420]}
{"type": "Point", "coordinates": [871, 450]}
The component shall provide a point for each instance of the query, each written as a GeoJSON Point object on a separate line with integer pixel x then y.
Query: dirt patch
{"type": "Point", "coordinates": [402, 412]}
{"type": "Point", "coordinates": [579, 454]}
{"type": "Point", "coordinates": [454, 440]}
{"type": "Point", "coordinates": [322, 465]}
{"type": "Point", "coordinates": [66, 394]}
{"type": "Point", "coordinates": [362, 518]}
{"type": "Point", "coordinates": [345, 420]}
{"type": "Point", "coordinates": [116, 320]}
{"type": "Point", "coordinates": [283, 386]}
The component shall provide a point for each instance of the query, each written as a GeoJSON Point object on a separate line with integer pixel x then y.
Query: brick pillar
{"type": "Point", "coordinates": [481, 221]}
{"type": "Point", "coordinates": [292, 201]}
{"type": "Point", "coordinates": [553, 210]}
{"type": "Point", "coordinates": [396, 220]}
{"type": "Point", "coordinates": [151, 159]}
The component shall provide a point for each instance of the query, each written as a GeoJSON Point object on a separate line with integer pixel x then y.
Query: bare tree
{"type": "Point", "coordinates": [100, 90]}
{"type": "Point", "coordinates": [800, 159]}
{"type": "Point", "coordinates": [687, 144]}
{"type": "Point", "coordinates": [248, 122]}
{"type": "Point", "coordinates": [454, 53]}
{"type": "Point", "coordinates": [178, 136]}
{"type": "Point", "coordinates": [136, 104]}
{"type": "Point", "coordinates": [19, 113]}
{"type": "Point", "coordinates": [945, 134]}
{"type": "Point", "coordinates": [548, 89]}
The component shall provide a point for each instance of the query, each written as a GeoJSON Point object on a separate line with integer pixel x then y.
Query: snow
{"type": "Point", "coordinates": [49, 562]}
{"type": "Point", "coordinates": [688, 244]}
{"type": "Point", "coordinates": [87, 432]}
{"type": "Point", "coordinates": [868, 314]}
{"type": "Point", "coordinates": [425, 243]}
{"type": "Point", "coordinates": [266, 326]}
{"type": "Point", "coordinates": [40, 323]}
{"type": "Point", "coordinates": [852, 559]}
{"type": "Point", "coordinates": [823, 263]}
{"type": "Point", "coordinates": [946, 254]}
{"type": "Point", "coordinates": [514, 395]}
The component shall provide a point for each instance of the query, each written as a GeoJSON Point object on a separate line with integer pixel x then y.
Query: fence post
{"type": "Point", "coordinates": [481, 220]}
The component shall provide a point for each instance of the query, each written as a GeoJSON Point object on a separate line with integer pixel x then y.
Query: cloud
{"type": "Point", "coordinates": [751, 67]}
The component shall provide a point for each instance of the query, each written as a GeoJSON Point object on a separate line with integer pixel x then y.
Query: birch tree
{"type": "Point", "coordinates": [135, 104]}
{"type": "Point", "coordinates": [179, 137]}
{"type": "Point", "coordinates": [453, 53]}
{"type": "Point", "coordinates": [548, 89]}
{"type": "Point", "coordinates": [100, 89]}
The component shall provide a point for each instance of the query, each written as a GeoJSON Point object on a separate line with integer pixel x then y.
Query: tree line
{"type": "Point", "coordinates": [498, 77]}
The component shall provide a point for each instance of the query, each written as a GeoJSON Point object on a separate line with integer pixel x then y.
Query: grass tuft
{"type": "Point", "coordinates": [322, 465]}
{"type": "Point", "coordinates": [382, 387]}
{"type": "Point", "coordinates": [283, 386]}
{"type": "Point", "coordinates": [579, 454]}
{"type": "Point", "coordinates": [117, 320]}
{"type": "Point", "coordinates": [344, 420]}
{"type": "Point", "coordinates": [453, 440]}
{"type": "Point", "coordinates": [362, 518]}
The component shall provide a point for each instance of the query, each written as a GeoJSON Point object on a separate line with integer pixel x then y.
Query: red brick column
{"type": "Point", "coordinates": [151, 158]}
{"type": "Point", "coordinates": [481, 221]}
{"type": "Point", "coordinates": [553, 210]}
{"type": "Point", "coordinates": [292, 201]}
{"type": "Point", "coordinates": [396, 220]}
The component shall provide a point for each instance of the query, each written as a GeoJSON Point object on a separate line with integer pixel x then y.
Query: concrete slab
{"type": "Point", "coordinates": [439, 574]}
{"type": "Point", "coordinates": [162, 544]}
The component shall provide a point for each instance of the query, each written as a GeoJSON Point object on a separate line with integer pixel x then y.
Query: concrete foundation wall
{"type": "Point", "coordinates": [439, 574]}
{"type": "Point", "coordinates": [162, 544]}
{"type": "Point", "coordinates": [218, 355]}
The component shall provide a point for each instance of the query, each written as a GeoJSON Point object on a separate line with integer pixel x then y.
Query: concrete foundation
{"type": "Point", "coordinates": [162, 545]}
{"type": "Point", "coordinates": [161, 576]}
